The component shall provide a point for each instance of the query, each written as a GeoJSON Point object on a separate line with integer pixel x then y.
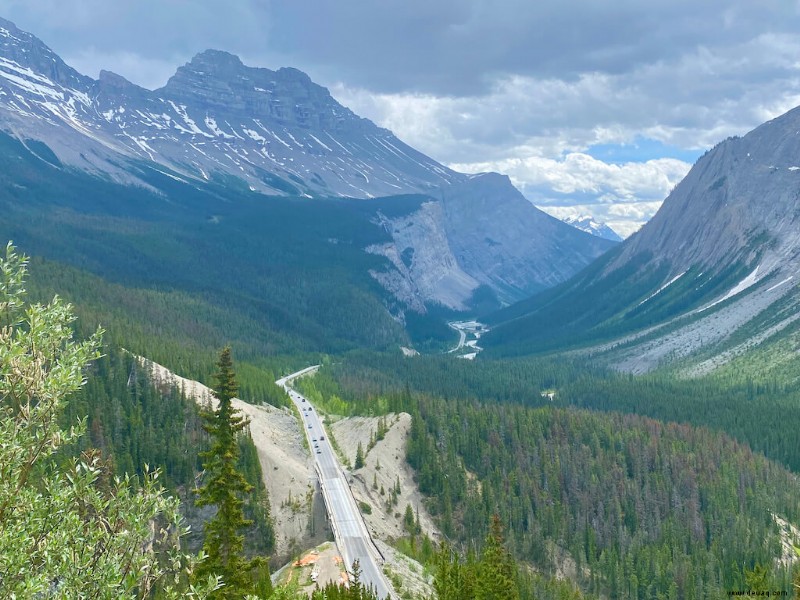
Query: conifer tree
{"type": "Point", "coordinates": [359, 457]}
{"type": "Point", "coordinates": [408, 520]}
{"type": "Point", "coordinates": [453, 580]}
{"type": "Point", "coordinates": [224, 488]}
{"type": "Point", "coordinates": [497, 571]}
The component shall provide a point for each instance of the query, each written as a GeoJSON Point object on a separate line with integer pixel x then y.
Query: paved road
{"type": "Point", "coordinates": [348, 526]}
{"type": "Point", "coordinates": [462, 337]}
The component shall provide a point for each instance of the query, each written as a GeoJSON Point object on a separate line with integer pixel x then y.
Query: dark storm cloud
{"type": "Point", "coordinates": [149, 28]}
{"type": "Point", "coordinates": [458, 47]}
{"type": "Point", "coordinates": [142, 36]}
{"type": "Point", "coordinates": [444, 47]}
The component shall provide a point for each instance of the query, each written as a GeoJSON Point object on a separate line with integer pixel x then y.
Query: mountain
{"type": "Point", "coordinates": [589, 225]}
{"type": "Point", "coordinates": [711, 276]}
{"type": "Point", "coordinates": [479, 234]}
{"type": "Point", "coordinates": [275, 130]}
{"type": "Point", "coordinates": [456, 241]}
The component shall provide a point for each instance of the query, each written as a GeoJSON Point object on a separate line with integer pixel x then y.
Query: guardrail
{"type": "Point", "coordinates": [363, 520]}
{"type": "Point", "coordinates": [334, 529]}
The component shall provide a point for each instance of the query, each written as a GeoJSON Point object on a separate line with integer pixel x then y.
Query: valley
{"type": "Point", "coordinates": [502, 405]}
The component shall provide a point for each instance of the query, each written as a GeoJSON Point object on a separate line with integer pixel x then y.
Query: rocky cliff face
{"type": "Point", "coordinates": [423, 266]}
{"type": "Point", "coordinates": [481, 232]}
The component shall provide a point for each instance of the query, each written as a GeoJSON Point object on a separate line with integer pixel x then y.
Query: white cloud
{"type": "Point", "coordinates": [579, 173]}
{"type": "Point", "coordinates": [623, 196]}
{"type": "Point", "coordinates": [538, 130]}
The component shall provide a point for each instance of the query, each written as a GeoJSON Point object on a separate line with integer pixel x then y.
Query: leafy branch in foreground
{"type": "Point", "coordinates": [70, 531]}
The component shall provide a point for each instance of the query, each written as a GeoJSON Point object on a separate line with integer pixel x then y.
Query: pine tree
{"type": "Point", "coordinates": [224, 488]}
{"type": "Point", "coordinates": [408, 520]}
{"type": "Point", "coordinates": [453, 580]}
{"type": "Point", "coordinates": [359, 457]}
{"type": "Point", "coordinates": [497, 571]}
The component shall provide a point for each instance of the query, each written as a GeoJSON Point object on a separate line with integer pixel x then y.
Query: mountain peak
{"type": "Point", "coordinates": [217, 59]}
{"type": "Point", "coordinates": [113, 82]}
{"type": "Point", "coordinates": [26, 50]}
{"type": "Point", "coordinates": [588, 224]}
{"type": "Point", "coordinates": [215, 79]}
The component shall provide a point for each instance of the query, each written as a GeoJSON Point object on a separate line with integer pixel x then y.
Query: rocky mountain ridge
{"type": "Point", "coordinates": [715, 270]}
{"type": "Point", "coordinates": [276, 130]}
{"type": "Point", "coordinates": [479, 233]}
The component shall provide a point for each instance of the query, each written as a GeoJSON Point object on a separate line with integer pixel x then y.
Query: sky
{"type": "Point", "coordinates": [591, 107]}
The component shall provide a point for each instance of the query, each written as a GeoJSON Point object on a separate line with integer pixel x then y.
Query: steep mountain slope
{"type": "Point", "coordinates": [200, 267]}
{"type": "Point", "coordinates": [719, 257]}
{"type": "Point", "coordinates": [221, 128]}
{"type": "Point", "coordinates": [481, 232]}
{"type": "Point", "coordinates": [276, 130]}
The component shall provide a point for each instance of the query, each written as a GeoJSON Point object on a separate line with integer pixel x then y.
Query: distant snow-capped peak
{"type": "Point", "coordinates": [588, 224]}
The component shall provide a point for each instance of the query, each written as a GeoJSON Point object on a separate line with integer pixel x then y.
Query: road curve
{"type": "Point", "coordinates": [348, 526]}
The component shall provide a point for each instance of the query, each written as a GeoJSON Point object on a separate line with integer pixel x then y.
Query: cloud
{"type": "Point", "coordinates": [461, 47]}
{"type": "Point", "coordinates": [581, 174]}
{"type": "Point", "coordinates": [137, 39]}
{"type": "Point", "coordinates": [692, 102]}
{"type": "Point", "coordinates": [541, 130]}
{"type": "Point", "coordinates": [623, 196]}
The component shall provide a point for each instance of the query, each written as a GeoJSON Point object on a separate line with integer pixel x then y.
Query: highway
{"type": "Point", "coordinates": [349, 529]}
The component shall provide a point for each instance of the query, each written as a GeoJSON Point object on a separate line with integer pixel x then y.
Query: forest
{"type": "Point", "coordinates": [637, 507]}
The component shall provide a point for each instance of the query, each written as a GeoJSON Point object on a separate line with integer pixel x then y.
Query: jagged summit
{"type": "Point", "coordinates": [218, 80]}
{"type": "Point", "coordinates": [117, 87]}
{"type": "Point", "coordinates": [216, 118]}
{"type": "Point", "coordinates": [20, 49]}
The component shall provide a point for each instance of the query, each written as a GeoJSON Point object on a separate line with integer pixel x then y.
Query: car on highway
{"type": "Point", "coordinates": [322, 437]}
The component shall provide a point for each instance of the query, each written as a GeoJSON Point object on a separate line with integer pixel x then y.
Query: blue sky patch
{"type": "Point", "coordinates": [641, 150]}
